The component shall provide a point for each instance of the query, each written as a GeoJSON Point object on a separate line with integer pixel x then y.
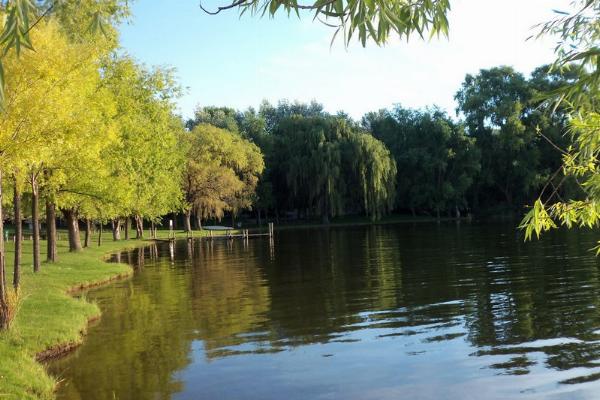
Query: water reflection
{"type": "Point", "coordinates": [371, 312]}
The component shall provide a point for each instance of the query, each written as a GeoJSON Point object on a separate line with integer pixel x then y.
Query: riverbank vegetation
{"type": "Point", "coordinates": [49, 320]}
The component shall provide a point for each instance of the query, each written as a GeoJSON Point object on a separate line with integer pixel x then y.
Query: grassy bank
{"type": "Point", "coordinates": [49, 319]}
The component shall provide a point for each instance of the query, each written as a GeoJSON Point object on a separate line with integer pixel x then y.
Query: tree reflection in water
{"type": "Point", "coordinates": [472, 297]}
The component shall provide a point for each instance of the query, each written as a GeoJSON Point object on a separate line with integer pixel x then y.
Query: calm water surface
{"type": "Point", "coordinates": [390, 312]}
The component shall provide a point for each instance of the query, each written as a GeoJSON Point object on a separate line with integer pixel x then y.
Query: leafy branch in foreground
{"type": "Point", "coordinates": [76, 18]}
{"type": "Point", "coordinates": [367, 19]}
{"type": "Point", "coordinates": [577, 50]}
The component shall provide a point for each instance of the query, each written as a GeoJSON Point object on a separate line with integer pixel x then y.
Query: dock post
{"type": "Point", "coordinates": [270, 229]}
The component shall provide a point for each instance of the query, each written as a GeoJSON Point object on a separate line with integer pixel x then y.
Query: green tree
{"type": "Point", "coordinates": [437, 161]}
{"type": "Point", "coordinates": [495, 104]}
{"type": "Point", "coordinates": [147, 155]}
{"type": "Point", "coordinates": [221, 117]}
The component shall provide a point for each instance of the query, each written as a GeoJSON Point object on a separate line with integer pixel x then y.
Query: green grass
{"type": "Point", "coordinates": [48, 316]}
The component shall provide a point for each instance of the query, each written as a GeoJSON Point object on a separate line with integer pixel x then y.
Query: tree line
{"type": "Point", "coordinates": [494, 157]}
{"type": "Point", "coordinates": [93, 136]}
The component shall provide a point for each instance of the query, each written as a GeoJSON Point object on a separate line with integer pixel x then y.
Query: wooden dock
{"type": "Point", "coordinates": [245, 234]}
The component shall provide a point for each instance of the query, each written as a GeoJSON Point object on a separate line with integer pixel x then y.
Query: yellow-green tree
{"type": "Point", "coordinates": [222, 171]}
{"type": "Point", "coordinates": [146, 157]}
{"type": "Point", "coordinates": [45, 98]}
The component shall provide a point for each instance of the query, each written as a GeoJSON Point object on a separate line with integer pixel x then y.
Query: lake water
{"type": "Point", "coordinates": [423, 311]}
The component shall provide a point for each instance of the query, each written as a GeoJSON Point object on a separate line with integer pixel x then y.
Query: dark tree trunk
{"type": "Point", "coordinates": [73, 227]}
{"type": "Point", "coordinates": [100, 234]}
{"type": "Point", "coordinates": [127, 223]}
{"type": "Point", "coordinates": [233, 220]}
{"type": "Point", "coordinates": [116, 229]}
{"type": "Point", "coordinates": [18, 236]}
{"type": "Point", "coordinates": [3, 300]}
{"type": "Point", "coordinates": [51, 231]}
{"type": "Point", "coordinates": [139, 227]}
{"type": "Point", "coordinates": [88, 233]}
{"type": "Point", "coordinates": [187, 224]}
{"type": "Point", "coordinates": [35, 219]}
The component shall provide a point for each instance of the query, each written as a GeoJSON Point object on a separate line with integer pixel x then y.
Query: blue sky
{"type": "Point", "coordinates": [238, 62]}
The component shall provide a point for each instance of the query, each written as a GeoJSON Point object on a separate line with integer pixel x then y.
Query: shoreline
{"type": "Point", "coordinates": [52, 322]}
{"type": "Point", "coordinates": [63, 349]}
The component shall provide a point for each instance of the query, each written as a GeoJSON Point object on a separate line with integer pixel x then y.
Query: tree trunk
{"type": "Point", "coordinates": [152, 231]}
{"type": "Point", "coordinates": [50, 231]}
{"type": "Point", "coordinates": [35, 219]}
{"type": "Point", "coordinates": [187, 224]}
{"type": "Point", "coordinates": [3, 300]}
{"type": "Point", "coordinates": [127, 223]}
{"type": "Point", "coordinates": [100, 234]}
{"type": "Point", "coordinates": [139, 227]}
{"type": "Point", "coordinates": [18, 236]}
{"type": "Point", "coordinates": [73, 227]}
{"type": "Point", "coordinates": [198, 221]}
{"type": "Point", "coordinates": [88, 233]}
{"type": "Point", "coordinates": [116, 229]}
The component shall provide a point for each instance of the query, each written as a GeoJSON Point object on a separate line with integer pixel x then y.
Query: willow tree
{"type": "Point", "coordinates": [576, 51]}
{"type": "Point", "coordinates": [374, 169]}
{"type": "Point", "coordinates": [222, 171]}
